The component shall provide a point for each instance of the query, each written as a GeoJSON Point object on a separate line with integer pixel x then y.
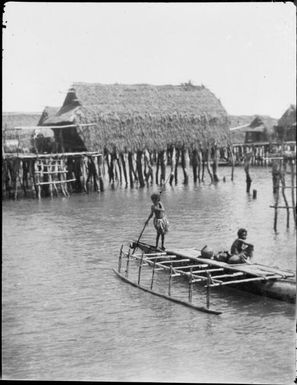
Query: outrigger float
{"type": "Point", "coordinates": [188, 263]}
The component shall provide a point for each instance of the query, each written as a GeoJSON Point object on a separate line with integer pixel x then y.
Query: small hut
{"type": "Point", "coordinates": [286, 126]}
{"type": "Point", "coordinates": [251, 129]}
{"type": "Point", "coordinates": [18, 131]}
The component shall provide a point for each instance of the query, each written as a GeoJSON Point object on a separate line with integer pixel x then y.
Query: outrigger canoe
{"type": "Point", "coordinates": [188, 263]}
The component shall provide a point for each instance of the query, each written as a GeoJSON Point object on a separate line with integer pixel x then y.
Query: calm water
{"type": "Point", "coordinates": [66, 316]}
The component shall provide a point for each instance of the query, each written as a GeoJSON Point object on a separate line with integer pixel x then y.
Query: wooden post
{"type": "Point", "coordinates": [185, 165]}
{"type": "Point", "coordinates": [120, 259]}
{"type": "Point", "coordinates": [195, 162]}
{"type": "Point", "coordinates": [215, 163]}
{"type": "Point", "coordinates": [176, 166]}
{"type": "Point", "coordinates": [127, 265]}
{"type": "Point", "coordinates": [131, 170]}
{"type": "Point", "coordinates": [162, 155]}
{"type": "Point", "coordinates": [232, 159]}
{"type": "Point", "coordinates": [172, 166]}
{"type": "Point", "coordinates": [139, 157]}
{"type": "Point", "coordinates": [100, 165]}
{"type": "Point", "coordinates": [153, 274]}
{"type": "Point", "coordinates": [208, 159]}
{"type": "Point", "coordinates": [283, 182]}
{"type": "Point", "coordinates": [140, 267]}
{"type": "Point", "coordinates": [124, 160]}
{"type": "Point", "coordinates": [208, 290]}
{"type": "Point", "coordinates": [169, 282]}
{"type": "Point", "coordinates": [148, 168]}
{"type": "Point", "coordinates": [49, 168]}
{"type": "Point", "coordinates": [254, 194]}
{"type": "Point", "coordinates": [190, 285]}
{"type": "Point", "coordinates": [293, 191]}
{"type": "Point", "coordinates": [247, 160]}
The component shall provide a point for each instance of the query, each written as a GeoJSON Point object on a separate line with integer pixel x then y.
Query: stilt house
{"type": "Point", "coordinates": [98, 117]}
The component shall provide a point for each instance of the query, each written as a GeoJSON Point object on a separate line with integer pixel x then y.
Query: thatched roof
{"type": "Point", "coordinates": [248, 123]}
{"type": "Point", "coordinates": [288, 119]}
{"type": "Point", "coordinates": [138, 116]}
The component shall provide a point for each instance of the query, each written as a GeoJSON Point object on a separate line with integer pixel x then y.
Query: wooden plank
{"type": "Point", "coordinates": [178, 301]}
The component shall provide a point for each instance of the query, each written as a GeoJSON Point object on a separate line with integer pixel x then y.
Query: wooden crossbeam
{"type": "Point", "coordinates": [155, 254]}
{"type": "Point", "coordinates": [202, 265]}
{"type": "Point", "coordinates": [165, 256]}
{"type": "Point", "coordinates": [208, 270]}
{"type": "Point", "coordinates": [55, 182]}
{"type": "Point", "coordinates": [244, 280]}
{"type": "Point", "coordinates": [228, 275]}
{"type": "Point", "coordinates": [177, 261]}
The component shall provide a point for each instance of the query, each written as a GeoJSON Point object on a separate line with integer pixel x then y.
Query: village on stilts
{"type": "Point", "coordinates": [129, 135]}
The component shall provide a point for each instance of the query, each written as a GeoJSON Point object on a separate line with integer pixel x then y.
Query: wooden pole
{"type": "Point", "coordinates": [140, 267]}
{"type": "Point", "coordinates": [283, 182]}
{"type": "Point", "coordinates": [127, 264]}
{"type": "Point", "coordinates": [153, 274]}
{"type": "Point", "coordinates": [131, 169]}
{"type": "Point", "coordinates": [190, 285]}
{"type": "Point", "coordinates": [176, 166]}
{"type": "Point", "coordinates": [120, 259]}
{"type": "Point", "coordinates": [185, 165]}
{"type": "Point", "coordinates": [208, 159]}
{"type": "Point", "coordinates": [292, 190]}
{"type": "Point", "coordinates": [195, 162]}
{"type": "Point", "coordinates": [169, 282]}
{"type": "Point", "coordinates": [172, 166]}
{"type": "Point", "coordinates": [208, 290]}
{"type": "Point", "coordinates": [139, 166]}
{"type": "Point", "coordinates": [232, 159]}
{"type": "Point", "coordinates": [215, 163]}
{"type": "Point", "coordinates": [247, 161]}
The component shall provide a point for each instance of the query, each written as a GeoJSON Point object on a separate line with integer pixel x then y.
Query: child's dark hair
{"type": "Point", "coordinates": [240, 232]}
{"type": "Point", "coordinates": [155, 196]}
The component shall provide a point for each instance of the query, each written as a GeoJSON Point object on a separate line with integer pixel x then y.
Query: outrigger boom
{"type": "Point", "coordinates": [259, 279]}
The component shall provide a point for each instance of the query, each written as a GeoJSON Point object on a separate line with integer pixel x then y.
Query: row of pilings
{"type": "Point", "coordinates": [49, 175]}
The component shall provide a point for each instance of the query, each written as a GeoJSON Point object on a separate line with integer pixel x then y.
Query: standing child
{"type": "Point", "coordinates": [160, 221]}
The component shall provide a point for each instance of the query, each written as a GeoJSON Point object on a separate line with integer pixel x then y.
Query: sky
{"type": "Point", "coordinates": [245, 53]}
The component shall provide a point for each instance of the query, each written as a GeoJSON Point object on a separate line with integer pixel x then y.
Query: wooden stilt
{"type": "Point", "coordinates": [120, 259]}
{"type": "Point", "coordinates": [169, 282]}
{"type": "Point", "coordinates": [127, 264]}
{"type": "Point", "coordinates": [292, 191]}
{"type": "Point", "coordinates": [208, 290]}
{"type": "Point", "coordinates": [153, 274]}
{"type": "Point", "coordinates": [190, 286]}
{"type": "Point", "coordinates": [139, 269]}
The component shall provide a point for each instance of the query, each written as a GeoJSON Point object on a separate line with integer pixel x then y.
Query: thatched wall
{"type": "Point", "coordinates": [132, 117]}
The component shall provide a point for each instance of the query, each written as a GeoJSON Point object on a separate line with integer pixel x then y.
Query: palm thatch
{"type": "Point", "coordinates": [134, 117]}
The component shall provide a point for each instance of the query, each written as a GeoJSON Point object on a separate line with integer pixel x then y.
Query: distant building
{"type": "Point", "coordinates": [286, 126]}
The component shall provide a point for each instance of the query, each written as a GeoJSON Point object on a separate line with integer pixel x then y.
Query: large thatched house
{"type": "Point", "coordinates": [286, 126]}
{"type": "Point", "coordinates": [95, 117]}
